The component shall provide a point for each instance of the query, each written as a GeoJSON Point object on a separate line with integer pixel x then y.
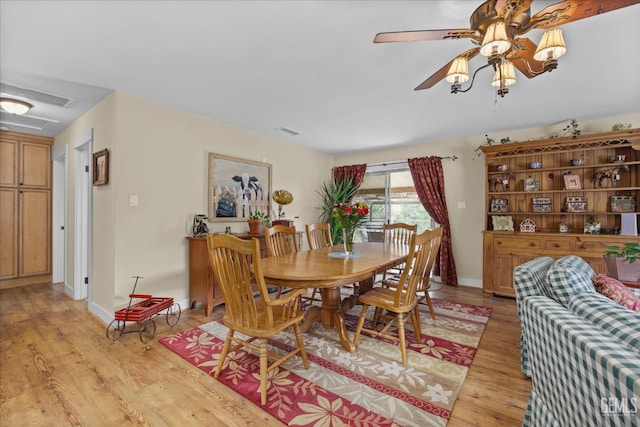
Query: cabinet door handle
{"type": "Point", "coordinates": [556, 245]}
{"type": "Point", "coordinates": [584, 246]}
{"type": "Point", "coordinates": [532, 244]}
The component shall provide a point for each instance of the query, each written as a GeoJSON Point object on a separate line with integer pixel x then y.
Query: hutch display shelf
{"type": "Point", "coordinates": [570, 194]}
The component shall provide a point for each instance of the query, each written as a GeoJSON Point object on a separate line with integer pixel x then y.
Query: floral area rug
{"type": "Point", "coordinates": [368, 388]}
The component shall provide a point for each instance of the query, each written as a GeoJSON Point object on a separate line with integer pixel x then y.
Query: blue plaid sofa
{"type": "Point", "coordinates": [581, 350]}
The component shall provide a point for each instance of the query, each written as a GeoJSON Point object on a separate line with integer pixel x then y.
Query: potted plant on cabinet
{"type": "Point", "coordinates": [621, 261]}
{"type": "Point", "coordinates": [256, 219]}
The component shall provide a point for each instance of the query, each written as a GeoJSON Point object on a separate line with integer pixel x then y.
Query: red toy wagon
{"type": "Point", "coordinates": [143, 312]}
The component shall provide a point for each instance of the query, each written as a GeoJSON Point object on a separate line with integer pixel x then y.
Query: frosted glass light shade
{"type": "Point", "coordinates": [551, 46]}
{"type": "Point", "coordinates": [495, 40]}
{"type": "Point", "coordinates": [14, 106]}
{"type": "Point", "coordinates": [508, 74]}
{"type": "Point", "coordinates": [459, 71]}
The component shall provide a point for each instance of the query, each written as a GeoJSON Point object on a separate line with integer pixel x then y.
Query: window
{"type": "Point", "coordinates": [388, 190]}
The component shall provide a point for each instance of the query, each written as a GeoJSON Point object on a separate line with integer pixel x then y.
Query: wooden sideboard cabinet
{"type": "Point", "coordinates": [562, 188]}
{"type": "Point", "coordinates": [503, 251]}
{"type": "Point", "coordinates": [202, 286]}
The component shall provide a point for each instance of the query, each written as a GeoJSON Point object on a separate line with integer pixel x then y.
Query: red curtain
{"type": "Point", "coordinates": [355, 172]}
{"type": "Point", "coordinates": [428, 179]}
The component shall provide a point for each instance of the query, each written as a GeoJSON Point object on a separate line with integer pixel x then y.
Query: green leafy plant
{"type": "Point", "coordinates": [332, 194]}
{"type": "Point", "coordinates": [573, 129]}
{"type": "Point", "coordinates": [263, 217]}
{"type": "Point", "coordinates": [488, 141]}
{"type": "Point", "coordinates": [630, 251]}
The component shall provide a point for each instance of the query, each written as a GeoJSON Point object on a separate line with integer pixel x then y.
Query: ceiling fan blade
{"type": "Point", "coordinates": [522, 58]}
{"type": "Point", "coordinates": [423, 35]}
{"type": "Point", "coordinates": [573, 10]}
{"type": "Point", "coordinates": [442, 72]}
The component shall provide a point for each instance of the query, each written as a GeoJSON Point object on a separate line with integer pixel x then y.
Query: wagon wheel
{"type": "Point", "coordinates": [147, 330]}
{"type": "Point", "coordinates": [115, 329]}
{"type": "Point", "coordinates": [173, 314]}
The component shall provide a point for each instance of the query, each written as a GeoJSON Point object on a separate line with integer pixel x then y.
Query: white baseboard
{"type": "Point", "coordinates": [472, 283]}
{"type": "Point", "coordinates": [100, 313]}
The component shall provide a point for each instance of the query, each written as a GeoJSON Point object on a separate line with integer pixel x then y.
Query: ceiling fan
{"type": "Point", "coordinates": [496, 26]}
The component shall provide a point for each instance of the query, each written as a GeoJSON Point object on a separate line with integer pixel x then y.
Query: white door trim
{"type": "Point", "coordinates": [82, 256]}
{"type": "Point", "coordinates": [59, 216]}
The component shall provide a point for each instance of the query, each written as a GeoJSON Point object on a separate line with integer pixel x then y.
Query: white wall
{"type": "Point", "coordinates": [160, 154]}
{"type": "Point", "coordinates": [464, 183]}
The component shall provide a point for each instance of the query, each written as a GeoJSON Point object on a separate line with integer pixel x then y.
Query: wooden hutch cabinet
{"type": "Point", "coordinates": [555, 181]}
{"type": "Point", "coordinates": [25, 204]}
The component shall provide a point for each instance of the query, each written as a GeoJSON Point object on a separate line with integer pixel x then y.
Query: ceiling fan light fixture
{"type": "Point", "coordinates": [15, 106]}
{"type": "Point", "coordinates": [495, 40]}
{"type": "Point", "coordinates": [551, 46]}
{"type": "Point", "coordinates": [459, 71]}
{"type": "Point", "coordinates": [505, 75]}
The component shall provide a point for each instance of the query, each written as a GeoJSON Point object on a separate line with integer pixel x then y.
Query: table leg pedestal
{"type": "Point", "coordinates": [330, 315]}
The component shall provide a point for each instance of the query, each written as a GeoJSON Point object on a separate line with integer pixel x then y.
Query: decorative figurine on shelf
{"type": "Point", "coordinates": [500, 182]}
{"type": "Point", "coordinates": [282, 198]}
{"type": "Point", "coordinates": [527, 226]}
{"type": "Point", "coordinates": [612, 174]}
{"type": "Point", "coordinates": [199, 226]}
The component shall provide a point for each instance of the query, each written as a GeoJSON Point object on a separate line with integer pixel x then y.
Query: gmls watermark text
{"type": "Point", "coordinates": [616, 406]}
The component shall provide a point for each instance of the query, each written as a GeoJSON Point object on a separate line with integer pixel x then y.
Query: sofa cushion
{"type": "Point", "coordinates": [616, 291]}
{"type": "Point", "coordinates": [568, 276]}
{"type": "Point", "coordinates": [611, 317]}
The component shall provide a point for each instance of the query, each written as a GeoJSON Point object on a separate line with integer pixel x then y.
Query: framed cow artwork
{"type": "Point", "coordinates": [237, 188]}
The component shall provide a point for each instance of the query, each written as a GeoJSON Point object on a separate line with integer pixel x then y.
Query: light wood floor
{"type": "Point", "coordinates": [58, 368]}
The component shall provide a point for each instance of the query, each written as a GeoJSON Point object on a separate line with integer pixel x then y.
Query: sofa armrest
{"type": "Point", "coordinates": [528, 280]}
{"type": "Point", "coordinates": [582, 374]}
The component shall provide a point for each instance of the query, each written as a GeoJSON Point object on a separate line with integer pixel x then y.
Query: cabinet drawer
{"type": "Point", "coordinates": [559, 245]}
{"type": "Point", "coordinates": [516, 243]}
{"type": "Point", "coordinates": [592, 246]}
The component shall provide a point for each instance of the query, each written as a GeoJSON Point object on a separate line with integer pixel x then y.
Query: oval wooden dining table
{"type": "Point", "coordinates": [327, 270]}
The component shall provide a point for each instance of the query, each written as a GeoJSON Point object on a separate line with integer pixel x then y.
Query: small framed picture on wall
{"type": "Point", "coordinates": [101, 167]}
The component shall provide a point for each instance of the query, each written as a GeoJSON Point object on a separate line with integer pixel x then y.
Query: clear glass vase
{"type": "Point", "coordinates": [347, 238]}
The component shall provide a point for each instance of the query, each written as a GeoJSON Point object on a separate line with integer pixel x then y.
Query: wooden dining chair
{"type": "Point", "coordinates": [425, 284]}
{"type": "Point", "coordinates": [237, 266]}
{"type": "Point", "coordinates": [281, 240]}
{"type": "Point", "coordinates": [401, 302]}
{"type": "Point", "coordinates": [318, 235]}
{"type": "Point", "coordinates": [401, 234]}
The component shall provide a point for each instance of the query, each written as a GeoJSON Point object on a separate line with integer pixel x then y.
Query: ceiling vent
{"type": "Point", "coordinates": [289, 131]}
{"type": "Point", "coordinates": [24, 121]}
{"type": "Point", "coordinates": [33, 95]}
